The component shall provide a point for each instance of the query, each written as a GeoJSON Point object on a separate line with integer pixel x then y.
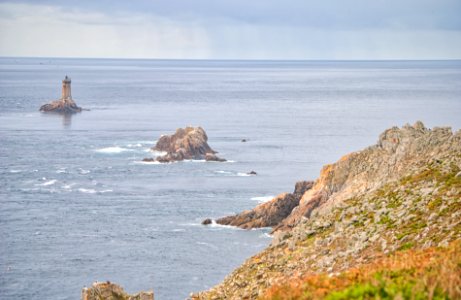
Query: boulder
{"type": "Point", "coordinates": [63, 106]}
{"type": "Point", "coordinates": [112, 291]}
{"type": "Point", "coordinates": [185, 143]}
{"type": "Point", "coordinates": [207, 222]}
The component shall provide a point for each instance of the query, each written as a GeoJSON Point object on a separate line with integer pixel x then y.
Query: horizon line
{"type": "Point", "coordinates": [228, 59]}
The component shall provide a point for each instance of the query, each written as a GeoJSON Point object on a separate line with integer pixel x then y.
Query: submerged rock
{"type": "Point", "coordinates": [185, 143]}
{"type": "Point", "coordinates": [112, 291]}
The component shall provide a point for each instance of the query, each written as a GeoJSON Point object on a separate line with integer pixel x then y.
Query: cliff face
{"type": "Point", "coordinates": [402, 193]}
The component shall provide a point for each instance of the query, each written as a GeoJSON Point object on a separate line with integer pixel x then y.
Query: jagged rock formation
{"type": "Point", "coordinates": [187, 143]}
{"type": "Point", "coordinates": [63, 106]}
{"type": "Point", "coordinates": [112, 291]}
{"type": "Point", "coordinates": [270, 213]}
{"type": "Point", "coordinates": [402, 193]}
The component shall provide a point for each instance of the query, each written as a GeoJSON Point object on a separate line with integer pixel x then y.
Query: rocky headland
{"type": "Point", "coordinates": [384, 222]}
{"type": "Point", "coordinates": [63, 106]}
{"type": "Point", "coordinates": [185, 143]}
{"type": "Point", "coordinates": [112, 291]}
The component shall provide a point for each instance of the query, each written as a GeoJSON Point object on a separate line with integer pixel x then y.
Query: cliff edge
{"type": "Point", "coordinates": [365, 225]}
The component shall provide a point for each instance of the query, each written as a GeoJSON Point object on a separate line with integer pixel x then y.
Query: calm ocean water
{"type": "Point", "coordinates": [76, 204]}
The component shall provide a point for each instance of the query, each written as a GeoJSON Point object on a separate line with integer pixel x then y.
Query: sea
{"type": "Point", "coordinates": [78, 205]}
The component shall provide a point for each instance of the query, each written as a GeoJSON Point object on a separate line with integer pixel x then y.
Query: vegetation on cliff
{"type": "Point", "coordinates": [391, 202]}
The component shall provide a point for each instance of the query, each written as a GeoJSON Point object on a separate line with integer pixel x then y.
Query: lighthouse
{"type": "Point", "coordinates": [65, 105]}
{"type": "Point", "coordinates": [66, 94]}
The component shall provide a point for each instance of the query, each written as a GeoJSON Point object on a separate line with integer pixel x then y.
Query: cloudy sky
{"type": "Point", "coordinates": [232, 29]}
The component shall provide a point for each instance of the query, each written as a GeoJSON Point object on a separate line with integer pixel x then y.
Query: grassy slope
{"type": "Point", "coordinates": [433, 273]}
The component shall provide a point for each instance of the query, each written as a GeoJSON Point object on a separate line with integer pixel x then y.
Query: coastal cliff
{"type": "Point", "coordinates": [392, 208]}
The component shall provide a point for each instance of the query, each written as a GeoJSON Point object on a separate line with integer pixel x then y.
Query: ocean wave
{"type": "Point", "coordinates": [137, 145]}
{"type": "Point", "coordinates": [49, 182]}
{"type": "Point", "coordinates": [87, 191]}
{"type": "Point", "coordinates": [216, 225]}
{"type": "Point", "coordinates": [68, 186]}
{"type": "Point", "coordinates": [113, 150]}
{"type": "Point", "coordinates": [224, 172]}
{"type": "Point", "coordinates": [15, 171]}
{"type": "Point", "coordinates": [262, 199]}
{"type": "Point", "coordinates": [147, 162]}
{"type": "Point", "coordinates": [62, 170]}
{"type": "Point", "coordinates": [243, 174]}
{"type": "Point", "coordinates": [83, 171]}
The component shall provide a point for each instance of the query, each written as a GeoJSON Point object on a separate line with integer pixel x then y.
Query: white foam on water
{"type": "Point", "coordinates": [243, 174]}
{"type": "Point", "coordinates": [112, 150]}
{"type": "Point", "coordinates": [224, 172]}
{"type": "Point", "coordinates": [137, 145]}
{"type": "Point", "coordinates": [147, 162]}
{"type": "Point", "coordinates": [216, 225]}
{"type": "Point", "coordinates": [178, 230]}
{"type": "Point", "coordinates": [49, 182]}
{"type": "Point", "coordinates": [15, 171]}
{"type": "Point", "coordinates": [59, 171]}
{"type": "Point", "coordinates": [83, 171]}
{"type": "Point", "coordinates": [262, 199]}
{"type": "Point", "coordinates": [266, 235]}
{"type": "Point", "coordinates": [68, 186]}
{"type": "Point", "coordinates": [195, 160]}
{"type": "Point", "coordinates": [156, 153]}
{"type": "Point", "coordinates": [105, 191]}
{"type": "Point", "coordinates": [87, 191]}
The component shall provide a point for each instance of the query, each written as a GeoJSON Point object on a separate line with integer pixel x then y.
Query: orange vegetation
{"type": "Point", "coordinates": [433, 273]}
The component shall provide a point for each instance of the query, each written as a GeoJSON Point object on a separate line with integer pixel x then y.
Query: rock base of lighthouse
{"type": "Point", "coordinates": [63, 106]}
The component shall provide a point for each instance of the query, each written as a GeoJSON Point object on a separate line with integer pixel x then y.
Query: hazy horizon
{"type": "Point", "coordinates": [236, 30]}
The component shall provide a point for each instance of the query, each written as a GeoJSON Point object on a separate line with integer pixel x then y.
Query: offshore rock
{"type": "Point", "coordinates": [207, 222]}
{"type": "Point", "coordinates": [63, 106]}
{"type": "Point", "coordinates": [112, 291]}
{"type": "Point", "coordinates": [185, 143]}
{"type": "Point", "coordinates": [271, 213]}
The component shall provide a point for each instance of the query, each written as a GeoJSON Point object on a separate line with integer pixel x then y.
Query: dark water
{"type": "Point", "coordinates": [76, 204]}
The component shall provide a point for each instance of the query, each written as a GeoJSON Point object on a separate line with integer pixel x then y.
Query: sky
{"type": "Point", "coordinates": [236, 29]}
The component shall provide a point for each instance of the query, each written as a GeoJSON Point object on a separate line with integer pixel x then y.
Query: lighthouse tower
{"type": "Point", "coordinates": [66, 94]}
